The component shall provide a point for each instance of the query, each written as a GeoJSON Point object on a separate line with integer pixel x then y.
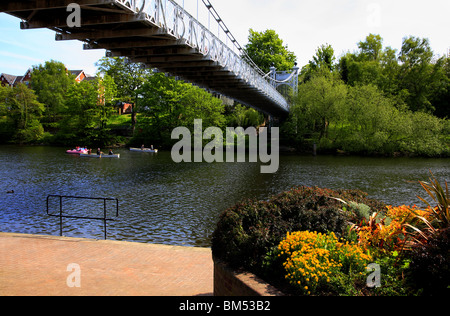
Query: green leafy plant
{"type": "Point", "coordinates": [441, 196]}
{"type": "Point", "coordinates": [247, 232]}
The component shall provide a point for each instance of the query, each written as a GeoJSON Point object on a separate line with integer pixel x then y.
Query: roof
{"type": "Point", "coordinates": [76, 72]}
{"type": "Point", "coordinates": [10, 78]}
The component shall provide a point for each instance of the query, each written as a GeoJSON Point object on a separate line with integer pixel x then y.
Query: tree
{"type": "Point", "coordinates": [416, 73]}
{"type": "Point", "coordinates": [318, 105]}
{"type": "Point", "coordinates": [370, 49]}
{"type": "Point", "coordinates": [324, 58]}
{"type": "Point", "coordinates": [321, 64]}
{"type": "Point", "coordinates": [441, 96]}
{"type": "Point", "coordinates": [168, 103]}
{"type": "Point", "coordinates": [243, 116]}
{"type": "Point", "coordinates": [267, 49]}
{"type": "Point", "coordinates": [50, 83]}
{"type": "Point", "coordinates": [4, 93]}
{"type": "Point", "coordinates": [128, 77]}
{"type": "Point", "coordinates": [89, 105]}
{"type": "Point", "coordinates": [25, 111]}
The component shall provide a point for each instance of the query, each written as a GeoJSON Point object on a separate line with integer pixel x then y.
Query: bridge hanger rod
{"type": "Point", "coordinates": [228, 33]}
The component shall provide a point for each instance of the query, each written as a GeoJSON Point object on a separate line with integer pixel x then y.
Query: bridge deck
{"type": "Point", "coordinates": [160, 34]}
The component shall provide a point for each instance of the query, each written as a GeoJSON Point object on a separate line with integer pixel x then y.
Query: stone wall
{"type": "Point", "coordinates": [228, 282]}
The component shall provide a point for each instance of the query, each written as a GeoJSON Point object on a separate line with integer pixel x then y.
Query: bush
{"type": "Point", "coordinates": [430, 264]}
{"type": "Point", "coordinates": [314, 261]}
{"type": "Point", "coordinates": [247, 232]}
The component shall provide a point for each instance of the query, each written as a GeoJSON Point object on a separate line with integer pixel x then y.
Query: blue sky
{"type": "Point", "coordinates": [304, 25]}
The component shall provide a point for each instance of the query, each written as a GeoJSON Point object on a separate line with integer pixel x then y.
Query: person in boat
{"type": "Point", "coordinates": [90, 151]}
{"type": "Point", "coordinates": [110, 152]}
{"type": "Point", "coordinates": [152, 147]}
{"type": "Point", "coordinates": [142, 147]}
{"type": "Point", "coordinates": [99, 152]}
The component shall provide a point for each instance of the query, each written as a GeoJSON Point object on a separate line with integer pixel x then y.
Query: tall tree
{"type": "Point", "coordinates": [324, 58]}
{"type": "Point", "coordinates": [416, 73]}
{"type": "Point", "coordinates": [441, 95]}
{"type": "Point", "coordinates": [267, 49]}
{"type": "Point", "coordinates": [168, 103]}
{"type": "Point", "coordinates": [25, 111]}
{"type": "Point", "coordinates": [318, 104]}
{"type": "Point", "coordinates": [323, 62]}
{"type": "Point", "coordinates": [371, 48]}
{"type": "Point", "coordinates": [51, 81]}
{"type": "Point", "coordinates": [128, 76]}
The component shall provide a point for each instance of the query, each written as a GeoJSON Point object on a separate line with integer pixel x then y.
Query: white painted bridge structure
{"type": "Point", "coordinates": [160, 34]}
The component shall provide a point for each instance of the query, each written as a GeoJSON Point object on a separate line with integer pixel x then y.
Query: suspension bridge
{"type": "Point", "coordinates": [162, 34]}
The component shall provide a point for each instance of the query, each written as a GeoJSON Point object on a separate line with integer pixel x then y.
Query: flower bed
{"type": "Point", "coordinates": [312, 241]}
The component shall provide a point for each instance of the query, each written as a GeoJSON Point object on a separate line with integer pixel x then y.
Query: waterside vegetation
{"type": "Point", "coordinates": [373, 101]}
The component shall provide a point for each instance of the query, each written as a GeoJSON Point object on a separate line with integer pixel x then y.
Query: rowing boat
{"type": "Point", "coordinates": [145, 150]}
{"type": "Point", "coordinates": [99, 156]}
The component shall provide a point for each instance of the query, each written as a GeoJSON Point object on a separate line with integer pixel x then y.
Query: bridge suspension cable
{"type": "Point", "coordinates": [161, 34]}
{"type": "Point", "coordinates": [222, 24]}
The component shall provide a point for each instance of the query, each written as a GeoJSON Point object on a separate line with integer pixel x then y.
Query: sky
{"type": "Point", "coordinates": [304, 25]}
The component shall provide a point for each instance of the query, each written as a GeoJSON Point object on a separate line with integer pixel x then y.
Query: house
{"type": "Point", "coordinates": [124, 108]}
{"type": "Point", "coordinates": [12, 81]}
{"type": "Point", "coordinates": [80, 75]}
{"type": "Point", "coordinates": [7, 80]}
{"type": "Point", "coordinates": [27, 77]}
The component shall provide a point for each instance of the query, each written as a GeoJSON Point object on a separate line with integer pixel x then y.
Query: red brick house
{"type": "Point", "coordinates": [80, 75]}
{"type": "Point", "coordinates": [7, 80]}
{"type": "Point", "coordinates": [124, 108]}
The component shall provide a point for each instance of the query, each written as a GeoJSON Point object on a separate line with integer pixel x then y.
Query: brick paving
{"type": "Point", "coordinates": [38, 266]}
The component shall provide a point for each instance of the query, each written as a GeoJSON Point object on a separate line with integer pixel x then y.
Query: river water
{"type": "Point", "coordinates": [179, 204]}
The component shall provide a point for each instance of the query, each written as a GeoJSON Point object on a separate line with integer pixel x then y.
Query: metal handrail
{"type": "Point", "coordinates": [175, 21]}
{"type": "Point", "coordinates": [105, 218]}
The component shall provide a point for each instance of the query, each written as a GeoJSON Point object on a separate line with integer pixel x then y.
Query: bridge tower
{"type": "Point", "coordinates": [285, 78]}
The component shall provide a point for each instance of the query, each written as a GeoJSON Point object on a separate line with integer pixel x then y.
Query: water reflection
{"type": "Point", "coordinates": [179, 204]}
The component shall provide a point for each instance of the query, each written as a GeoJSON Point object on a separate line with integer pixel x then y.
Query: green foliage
{"type": "Point", "coordinates": [430, 265]}
{"type": "Point", "coordinates": [318, 263]}
{"type": "Point", "coordinates": [318, 105]}
{"type": "Point", "coordinates": [441, 196]}
{"type": "Point", "coordinates": [361, 119]}
{"type": "Point", "coordinates": [127, 76]}
{"type": "Point", "coordinates": [51, 82]}
{"type": "Point", "coordinates": [242, 116]}
{"type": "Point", "coordinates": [267, 49]}
{"type": "Point", "coordinates": [22, 114]}
{"type": "Point", "coordinates": [248, 231]}
{"type": "Point", "coordinates": [323, 62]}
{"type": "Point", "coordinates": [412, 76]}
{"type": "Point", "coordinates": [168, 103]}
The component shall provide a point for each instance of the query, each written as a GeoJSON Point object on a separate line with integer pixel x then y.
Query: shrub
{"type": "Point", "coordinates": [430, 264]}
{"type": "Point", "coordinates": [247, 232]}
{"type": "Point", "coordinates": [313, 261]}
{"type": "Point", "coordinates": [388, 232]}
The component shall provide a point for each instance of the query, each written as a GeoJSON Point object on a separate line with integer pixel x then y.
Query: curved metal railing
{"type": "Point", "coordinates": [178, 23]}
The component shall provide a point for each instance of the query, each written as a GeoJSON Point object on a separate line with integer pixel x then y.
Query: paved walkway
{"type": "Point", "coordinates": [46, 265]}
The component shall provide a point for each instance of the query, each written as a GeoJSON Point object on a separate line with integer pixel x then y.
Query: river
{"type": "Point", "coordinates": [179, 204]}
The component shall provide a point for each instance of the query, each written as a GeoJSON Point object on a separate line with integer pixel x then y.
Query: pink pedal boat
{"type": "Point", "coordinates": [77, 151]}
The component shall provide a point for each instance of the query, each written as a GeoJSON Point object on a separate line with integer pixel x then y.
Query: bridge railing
{"type": "Point", "coordinates": [177, 22]}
